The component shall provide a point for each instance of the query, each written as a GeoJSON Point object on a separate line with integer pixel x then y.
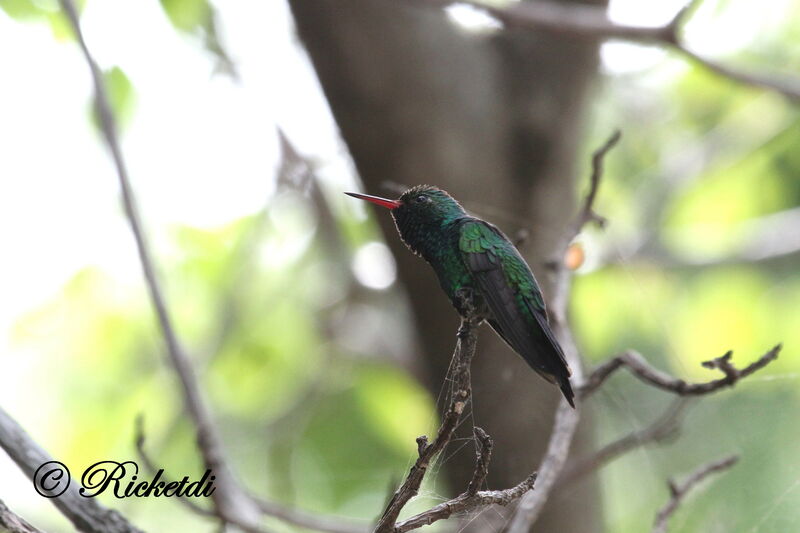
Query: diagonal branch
{"type": "Point", "coordinates": [462, 390]}
{"type": "Point", "coordinates": [86, 514]}
{"type": "Point", "coordinates": [566, 419]}
{"type": "Point", "coordinates": [587, 213]}
{"type": "Point", "coordinates": [472, 498]}
{"type": "Point", "coordinates": [483, 454]}
{"type": "Point", "coordinates": [286, 514]}
{"type": "Point", "coordinates": [147, 462]}
{"type": "Point", "coordinates": [678, 491]}
{"type": "Point", "coordinates": [586, 21]}
{"type": "Point", "coordinates": [229, 498]}
{"type": "Point", "coordinates": [661, 380]}
{"type": "Point", "coordinates": [231, 502]}
{"type": "Point", "coordinates": [466, 502]}
{"type": "Point", "coordinates": [662, 429]}
{"type": "Point", "coordinates": [13, 523]}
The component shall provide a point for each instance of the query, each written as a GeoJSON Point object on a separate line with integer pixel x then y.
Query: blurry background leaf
{"type": "Point", "coordinates": [122, 96]}
{"type": "Point", "coordinates": [48, 11]}
{"type": "Point", "coordinates": [199, 19]}
{"type": "Point", "coordinates": [188, 15]}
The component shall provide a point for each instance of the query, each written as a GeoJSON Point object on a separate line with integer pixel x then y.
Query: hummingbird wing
{"type": "Point", "coordinates": [509, 289]}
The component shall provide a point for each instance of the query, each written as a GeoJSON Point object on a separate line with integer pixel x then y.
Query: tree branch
{"type": "Point", "coordinates": [13, 522]}
{"type": "Point", "coordinates": [592, 22]}
{"type": "Point", "coordinates": [566, 420]}
{"type": "Point", "coordinates": [472, 498]}
{"type": "Point", "coordinates": [462, 390]}
{"type": "Point", "coordinates": [230, 500]}
{"type": "Point", "coordinates": [679, 491]}
{"type": "Point", "coordinates": [147, 462]}
{"type": "Point", "coordinates": [483, 453]}
{"type": "Point", "coordinates": [656, 378]}
{"type": "Point", "coordinates": [466, 502]}
{"type": "Point", "coordinates": [587, 213]}
{"type": "Point", "coordinates": [662, 429]}
{"type": "Point", "coordinates": [86, 514]}
{"type": "Point", "coordinates": [532, 504]}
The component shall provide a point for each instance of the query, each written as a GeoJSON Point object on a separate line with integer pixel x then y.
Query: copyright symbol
{"type": "Point", "coordinates": [51, 479]}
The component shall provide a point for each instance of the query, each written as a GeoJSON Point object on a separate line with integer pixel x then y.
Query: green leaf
{"type": "Point", "coordinates": [198, 18]}
{"type": "Point", "coordinates": [121, 95]}
{"type": "Point", "coordinates": [60, 26]}
{"type": "Point", "coordinates": [23, 10]}
{"type": "Point", "coordinates": [187, 15]}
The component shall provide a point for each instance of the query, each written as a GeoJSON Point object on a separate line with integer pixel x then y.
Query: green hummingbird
{"type": "Point", "coordinates": [480, 269]}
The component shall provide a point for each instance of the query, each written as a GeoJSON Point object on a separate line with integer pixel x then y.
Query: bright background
{"type": "Point", "coordinates": [700, 256]}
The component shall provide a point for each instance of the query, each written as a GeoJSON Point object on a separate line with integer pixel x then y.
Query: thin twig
{"type": "Point", "coordinates": [678, 491]}
{"type": "Point", "coordinates": [466, 502]}
{"type": "Point", "coordinates": [532, 504]}
{"type": "Point", "coordinates": [592, 22]}
{"type": "Point", "coordinates": [229, 498]}
{"type": "Point", "coordinates": [587, 213]}
{"type": "Point", "coordinates": [147, 462]}
{"type": "Point", "coordinates": [662, 429]}
{"type": "Point", "coordinates": [566, 419]}
{"type": "Point", "coordinates": [88, 515]}
{"type": "Point", "coordinates": [13, 523]}
{"type": "Point", "coordinates": [231, 502]}
{"type": "Point", "coordinates": [462, 390]}
{"type": "Point", "coordinates": [483, 455]}
{"type": "Point", "coordinates": [656, 378]}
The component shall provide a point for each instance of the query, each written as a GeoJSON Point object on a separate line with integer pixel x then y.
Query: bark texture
{"type": "Point", "coordinates": [495, 119]}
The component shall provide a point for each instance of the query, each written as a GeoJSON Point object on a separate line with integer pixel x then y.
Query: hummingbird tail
{"type": "Point", "coordinates": [566, 389]}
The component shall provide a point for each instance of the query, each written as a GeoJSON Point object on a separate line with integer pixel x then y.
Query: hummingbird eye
{"type": "Point", "coordinates": [422, 198]}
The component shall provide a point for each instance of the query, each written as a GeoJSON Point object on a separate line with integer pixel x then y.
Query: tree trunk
{"type": "Point", "coordinates": [495, 119]}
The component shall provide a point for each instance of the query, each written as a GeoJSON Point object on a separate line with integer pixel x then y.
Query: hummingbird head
{"type": "Point", "coordinates": [419, 214]}
{"type": "Point", "coordinates": [427, 205]}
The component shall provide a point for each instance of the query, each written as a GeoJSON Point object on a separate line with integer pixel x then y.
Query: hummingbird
{"type": "Point", "coordinates": [481, 272]}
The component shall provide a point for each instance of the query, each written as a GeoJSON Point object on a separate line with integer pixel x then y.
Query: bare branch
{"type": "Point", "coordinates": [464, 503]}
{"type": "Point", "coordinates": [587, 213]}
{"type": "Point", "coordinates": [13, 523]}
{"type": "Point", "coordinates": [147, 462]}
{"type": "Point", "coordinates": [462, 390]}
{"type": "Point", "coordinates": [784, 85]}
{"type": "Point", "coordinates": [656, 378]}
{"type": "Point", "coordinates": [531, 506]}
{"type": "Point", "coordinates": [679, 491]}
{"type": "Point", "coordinates": [86, 514]}
{"type": "Point", "coordinates": [286, 514]}
{"type": "Point", "coordinates": [483, 453]}
{"type": "Point", "coordinates": [472, 498]}
{"type": "Point", "coordinates": [231, 502]}
{"type": "Point", "coordinates": [229, 498]}
{"type": "Point", "coordinates": [566, 420]}
{"type": "Point", "coordinates": [592, 22]}
{"type": "Point", "coordinates": [662, 429]}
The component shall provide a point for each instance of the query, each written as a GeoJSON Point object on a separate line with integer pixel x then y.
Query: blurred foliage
{"type": "Point", "coordinates": [198, 18]}
{"type": "Point", "coordinates": [292, 351]}
{"type": "Point", "coordinates": [703, 164]}
{"type": "Point", "coordinates": [47, 11]}
{"type": "Point", "coordinates": [121, 95]}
